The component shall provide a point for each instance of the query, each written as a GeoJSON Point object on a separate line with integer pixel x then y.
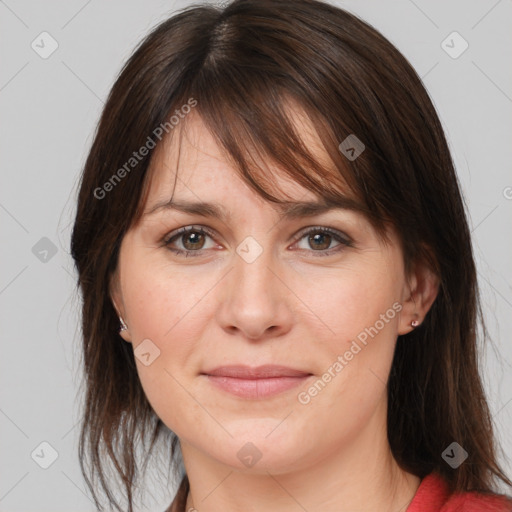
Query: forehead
{"type": "Point", "coordinates": [190, 161]}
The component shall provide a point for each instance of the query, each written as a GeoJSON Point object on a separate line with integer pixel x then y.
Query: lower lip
{"type": "Point", "coordinates": [256, 388]}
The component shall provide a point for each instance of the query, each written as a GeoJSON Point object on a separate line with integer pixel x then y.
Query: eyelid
{"type": "Point", "coordinates": [185, 229]}
{"type": "Point", "coordinates": [342, 238]}
{"type": "Point", "coordinates": [203, 229]}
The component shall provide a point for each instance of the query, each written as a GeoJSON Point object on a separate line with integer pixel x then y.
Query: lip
{"type": "Point", "coordinates": [266, 371]}
{"type": "Point", "coordinates": [255, 382]}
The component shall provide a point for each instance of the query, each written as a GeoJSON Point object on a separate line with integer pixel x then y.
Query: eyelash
{"type": "Point", "coordinates": [343, 240]}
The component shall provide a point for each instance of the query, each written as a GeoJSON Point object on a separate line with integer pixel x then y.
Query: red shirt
{"type": "Point", "coordinates": [433, 496]}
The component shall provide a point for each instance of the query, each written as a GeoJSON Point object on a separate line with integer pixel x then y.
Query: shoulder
{"type": "Point", "coordinates": [433, 496]}
{"type": "Point", "coordinates": [475, 502]}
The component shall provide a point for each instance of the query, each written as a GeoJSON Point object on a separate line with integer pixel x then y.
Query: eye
{"type": "Point", "coordinates": [192, 239]}
{"type": "Point", "coordinates": [320, 240]}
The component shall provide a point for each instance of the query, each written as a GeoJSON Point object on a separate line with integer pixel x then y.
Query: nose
{"type": "Point", "coordinates": [255, 301]}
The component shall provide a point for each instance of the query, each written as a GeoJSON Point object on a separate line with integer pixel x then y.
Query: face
{"type": "Point", "coordinates": [257, 335]}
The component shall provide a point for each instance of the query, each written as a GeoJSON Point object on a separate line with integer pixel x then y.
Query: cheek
{"type": "Point", "coordinates": [359, 313]}
{"type": "Point", "coordinates": [161, 302]}
{"type": "Point", "coordinates": [352, 298]}
{"type": "Point", "coordinates": [171, 309]}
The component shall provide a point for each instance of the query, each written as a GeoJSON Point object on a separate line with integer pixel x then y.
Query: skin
{"type": "Point", "coordinates": [290, 307]}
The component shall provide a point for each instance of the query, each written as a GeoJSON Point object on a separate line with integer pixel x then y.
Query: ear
{"type": "Point", "coordinates": [419, 293]}
{"type": "Point", "coordinates": [116, 297]}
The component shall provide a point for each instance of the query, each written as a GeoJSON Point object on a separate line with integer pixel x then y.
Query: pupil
{"type": "Point", "coordinates": [321, 237]}
{"type": "Point", "coordinates": [193, 239]}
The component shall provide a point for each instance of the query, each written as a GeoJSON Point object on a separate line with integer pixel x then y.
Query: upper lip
{"type": "Point", "coordinates": [255, 372]}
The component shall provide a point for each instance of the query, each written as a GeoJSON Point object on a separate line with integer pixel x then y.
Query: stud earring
{"type": "Point", "coordinates": [123, 327]}
{"type": "Point", "coordinates": [415, 323]}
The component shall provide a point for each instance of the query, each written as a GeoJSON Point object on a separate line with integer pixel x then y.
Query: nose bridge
{"type": "Point", "coordinates": [254, 300]}
{"type": "Point", "coordinates": [252, 275]}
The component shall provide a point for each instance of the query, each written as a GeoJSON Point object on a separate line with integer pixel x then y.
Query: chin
{"type": "Point", "coordinates": [258, 447]}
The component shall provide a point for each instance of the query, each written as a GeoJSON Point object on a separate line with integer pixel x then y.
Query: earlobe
{"type": "Point", "coordinates": [123, 327]}
{"type": "Point", "coordinates": [123, 330]}
{"type": "Point", "coordinates": [421, 291]}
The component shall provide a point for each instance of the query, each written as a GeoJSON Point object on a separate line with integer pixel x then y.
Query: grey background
{"type": "Point", "coordinates": [49, 109]}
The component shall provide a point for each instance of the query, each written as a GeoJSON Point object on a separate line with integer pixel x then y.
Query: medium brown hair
{"type": "Point", "coordinates": [243, 64]}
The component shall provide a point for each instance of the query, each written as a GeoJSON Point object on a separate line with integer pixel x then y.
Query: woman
{"type": "Point", "coordinates": [270, 212]}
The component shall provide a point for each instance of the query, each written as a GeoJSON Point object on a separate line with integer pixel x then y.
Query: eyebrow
{"type": "Point", "coordinates": [289, 209]}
